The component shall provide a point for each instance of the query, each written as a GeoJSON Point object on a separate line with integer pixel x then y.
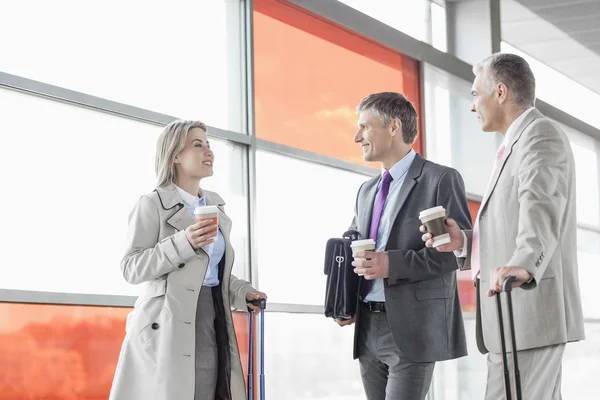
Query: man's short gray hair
{"type": "Point", "coordinates": [514, 72]}
{"type": "Point", "coordinates": [390, 105]}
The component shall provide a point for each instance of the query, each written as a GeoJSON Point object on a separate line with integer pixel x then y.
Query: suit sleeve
{"type": "Point", "coordinates": [464, 263]}
{"type": "Point", "coordinates": [542, 196]}
{"type": "Point", "coordinates": [145, 257]}
{"type": "Point", "coordinates": [425, 263]}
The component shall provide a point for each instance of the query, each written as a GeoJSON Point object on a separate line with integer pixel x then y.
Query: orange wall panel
{"type": "Point", "coordinates": [62, 352]}
{"type": "Point", "coordinates": [466, 290]}
{"type": "Point", "coordinates": [311, 73]}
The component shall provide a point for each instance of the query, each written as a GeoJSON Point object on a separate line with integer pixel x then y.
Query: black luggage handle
{"type": "Point", "coordinates": [507, 287]}
{"type": "Point", "coordinates": [260, 303]}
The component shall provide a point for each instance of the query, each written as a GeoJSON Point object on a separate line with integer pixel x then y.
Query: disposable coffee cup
{"type": "Point", "coordinates": [362, 245]}
{"type": "Point", "coordinates": [434, 220]}
{"type": "Point", "coordinates": [202, 213]}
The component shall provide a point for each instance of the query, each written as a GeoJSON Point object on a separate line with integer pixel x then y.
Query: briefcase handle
{"type": "Point", "coordinates": [352, 235]}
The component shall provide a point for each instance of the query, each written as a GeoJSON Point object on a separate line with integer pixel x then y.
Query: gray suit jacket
{"type": "Point", "coordinates": [421, 293]}
{"type": "Point", "coordinates": [528, 220]}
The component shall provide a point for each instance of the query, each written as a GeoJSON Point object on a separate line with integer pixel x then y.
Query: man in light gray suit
{"type": "Point", "coordinates": [527, 228]}
{"type": "Point", "coordinates": [409, 314]}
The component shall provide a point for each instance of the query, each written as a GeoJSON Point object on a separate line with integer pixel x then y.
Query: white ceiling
{"type": "Point", "coordinates": [563, 34]}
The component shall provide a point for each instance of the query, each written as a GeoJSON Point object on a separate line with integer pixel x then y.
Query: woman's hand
{"type": "Point", "coordinates": [255, 295]}
{"type": "Point", "coordinates": [201, 234]}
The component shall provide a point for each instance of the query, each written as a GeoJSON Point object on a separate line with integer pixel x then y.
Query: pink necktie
{"type": "Point", "coordinates": [475, 264]}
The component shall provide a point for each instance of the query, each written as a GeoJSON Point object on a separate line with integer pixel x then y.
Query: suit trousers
{"type": "Point", "coordinates": [206, 347]}
{"type": "Point", "coordinates": [541, 373]}
{"type": "Point", "coordinates": [386, 373]}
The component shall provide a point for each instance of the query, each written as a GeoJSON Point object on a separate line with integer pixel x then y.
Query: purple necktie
{"type": "Point", "coordinates": [375, 220]}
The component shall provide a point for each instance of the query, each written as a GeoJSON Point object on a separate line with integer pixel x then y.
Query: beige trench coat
{"type": "Point", "coordinates": [157, 357]}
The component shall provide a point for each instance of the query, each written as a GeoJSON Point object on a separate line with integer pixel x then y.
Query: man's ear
{"type": "Point", "coordinates": [396, 126]}
{"type": "Point", "coordinates": [501, 92]}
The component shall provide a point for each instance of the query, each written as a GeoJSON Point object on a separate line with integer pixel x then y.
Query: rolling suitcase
{"type": "Point", "coordinates": [507, 288]}
{"type": "Point", "coordinates": [262, 303]}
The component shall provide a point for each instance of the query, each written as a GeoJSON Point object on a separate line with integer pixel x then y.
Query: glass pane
{"type": "Point", "coordinates": [465, 377]}
{"type": "Point", "coordinates": [588, 259]}
{"type": "Point", "coordinates": [79, 345]}
{"type": "Point", "coordinates": [581, 364]}
{"type": "Point", "coordinates": [408, 16]}
{"type": "Point", "coordinates": [179, 58]}
{"type": "Point", "coordinates": [301, 103]}
{"type": "Point", "coordinates": [454, 136]}
{"type": "Point", "coordinates": [587, 166]}
{"type": "Point", "coordinates": [88, 169]}
{"type": "Point", "coordinates": [299, 201]}
{"type": "Point", "coordinates": [309, 357]}
{"type": "Point", "coordinates": [439, 32]}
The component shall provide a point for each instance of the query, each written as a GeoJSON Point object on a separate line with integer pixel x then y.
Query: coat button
{"type": "Point", "coordinates": [155, 326]}
{"type": "Point", "coordinates": [181, 265]}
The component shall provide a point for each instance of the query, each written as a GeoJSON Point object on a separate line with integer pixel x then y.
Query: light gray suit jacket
{"type": "Point", "coordinates": [421, 294]}
{"type": "Point", "coordinates": [528, 220]}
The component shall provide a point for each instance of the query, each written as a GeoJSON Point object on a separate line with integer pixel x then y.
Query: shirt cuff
{"type": "Point", "coordinates": [462, 253]}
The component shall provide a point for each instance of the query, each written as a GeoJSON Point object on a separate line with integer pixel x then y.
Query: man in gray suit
{"type": "Point", "coordinates": [527, 228]}
{"type": "Point", "coordinates": [409, 315]}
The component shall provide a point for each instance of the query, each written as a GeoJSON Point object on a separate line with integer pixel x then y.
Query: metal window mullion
{"type": "Point", "coordinates": [79, 99]}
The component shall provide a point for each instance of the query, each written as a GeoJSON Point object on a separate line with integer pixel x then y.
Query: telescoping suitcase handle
{"type": "Point", "coordinates": [507, 288]}
{"type": "Point", "coordinates": [262, 304]}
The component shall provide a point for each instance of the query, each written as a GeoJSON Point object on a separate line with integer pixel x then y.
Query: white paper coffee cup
{"type": "Point", "coordinates": [434, 220]}
{"type": "Point", "coordinates": [362, 245]}
{"type": "Point", "coordinates": [202, 213]}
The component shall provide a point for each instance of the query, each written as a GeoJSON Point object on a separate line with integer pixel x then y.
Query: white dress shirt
{"type": "Point", "coordinates": [398, 172]}
{"type": "Point", "coordinates": [507, 139]}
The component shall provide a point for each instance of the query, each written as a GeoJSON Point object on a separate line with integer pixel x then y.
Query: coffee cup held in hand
{"type": "Point", "coordinates": [202, 213]}
{"type": "Point", "coordinates": [434, 220]}
{"type": "Point", "coordinates": [358, 246]}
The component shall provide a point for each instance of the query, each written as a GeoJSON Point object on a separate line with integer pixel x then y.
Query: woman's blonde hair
{"type": "Point", "coordinates": [170, 142]}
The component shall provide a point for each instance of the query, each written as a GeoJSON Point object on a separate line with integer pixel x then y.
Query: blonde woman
{"type": "Point", "coordinates": [180, 342]}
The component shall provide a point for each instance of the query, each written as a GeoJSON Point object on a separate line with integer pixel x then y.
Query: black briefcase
{"type": "Point", "coordinates": [341, 292]}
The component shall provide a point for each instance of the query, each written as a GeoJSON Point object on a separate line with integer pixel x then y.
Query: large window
{"type": "Point", "coordinates": [421, 19]}
{"type": "Point", "coordinates": [309, 357]}
{"type": "Point", "coordinates": [179, 58]}
{"type": "Point", "coordinates": [73, 175]}
{"type": "Point", "coordinates": [587, 164]}
{"type": "Point", "coordinates": [67, 352]}
{"type": "Point", "coordinates": [454, 136]}
{"type": "Point", "coordinates": [300, 205]}
{"type": "Point", "coordinates": [310, 75]}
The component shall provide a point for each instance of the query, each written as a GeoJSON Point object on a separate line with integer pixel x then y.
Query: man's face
{"type": "Point", "coordinates": [374, 139]}
{"type": "Point", "coordinates": [485, 103]}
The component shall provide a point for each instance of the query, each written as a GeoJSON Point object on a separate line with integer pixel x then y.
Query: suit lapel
{"type": "Point", "coordinates": [533, 115]}
{"type": "Point", "coordinates": [369, 193]}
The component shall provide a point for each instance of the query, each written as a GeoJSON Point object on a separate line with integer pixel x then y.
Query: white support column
{"type": "Point", "coordinates": [473, 28]}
